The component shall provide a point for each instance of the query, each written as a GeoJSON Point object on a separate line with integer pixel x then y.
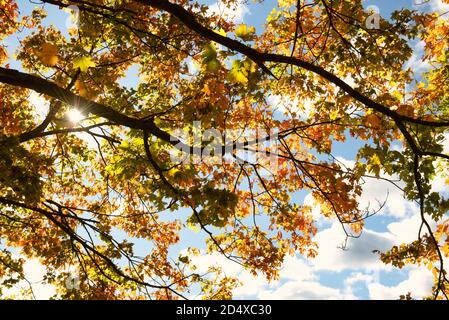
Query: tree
{"type": "Point", "coordinates": [66, 199]}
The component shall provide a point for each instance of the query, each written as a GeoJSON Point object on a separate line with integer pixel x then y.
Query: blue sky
{"type": "Point", "coordinates": [354, 273]}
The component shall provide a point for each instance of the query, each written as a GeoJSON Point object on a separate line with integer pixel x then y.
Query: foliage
{"type": "Point", "coordinates": [69, 189]}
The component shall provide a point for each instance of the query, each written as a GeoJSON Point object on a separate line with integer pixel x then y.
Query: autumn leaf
{"type": "Point", "coordinates": [405, 110]}
{"type": "Point", "coordinates": [79, 85]}
{"type": "Point", "coordinates": [245, 33]}
{"type": "Point", "coordinates": [48, 54]}
{"type": "Point", "coordinates": [241, 70]}
{"type": "Point", "coordinates": [83, 63]}
{"type": "Point", "coordinates": [3, 55]}
{"type": "Point", "coordinates": [373, 121]}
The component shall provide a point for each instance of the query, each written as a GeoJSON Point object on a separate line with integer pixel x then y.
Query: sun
{"type": "Point", "coordinates": [75, 116]}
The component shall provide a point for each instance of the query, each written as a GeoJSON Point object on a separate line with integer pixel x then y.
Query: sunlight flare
{"type": "Point", "coordinates": [75, 116]}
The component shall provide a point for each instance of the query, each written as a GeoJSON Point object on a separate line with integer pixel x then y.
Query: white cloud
{"type": "Point", "coordinates": [415, 63]}
{"type": "Point", "coordinates": [442, 173]}
{"type": "Point", "coordinates": [419, 284]}
{"type": "Point", "coordinates": [358, 277]}
{"type": "Point", "coordinates": [35, 272]}
{"type": "Point", "coordinates": [250, 284]}
{"type": "Point", "coordinates": [439, 6]}
{"type": "Point", "coordinates": [318, 217]}
{"type": "Point", "coordinates": [349, 79]}
{"type": "Point", "coordinates": [193, 66]}
{"type": "Point", "coordinates": [304, 290]}
{"type": "Point", "coordinates": [203, 262]}
{"type": "Point", "coordinates": [296, 269]}
{"type": "Point", "coordinates": [406, 230]}
{"type": "Point", "coordinates": [235, 13]}
{"type": "Point", "coordinates": [433, 5]}
{"type": "Point", "coordinates": [358, 253]}
{"type": "Point", "coordinates": [376, 192]}
{"type": "Point", "coordinates": [439, 183]}
{"type": "Point", "coordinates": [300, 278]}
{"type": "Point", "coordinates": [293, 269]}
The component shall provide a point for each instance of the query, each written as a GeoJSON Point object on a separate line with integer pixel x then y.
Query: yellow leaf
{"type": "Point", "coordinates": [244, 32]}
{"type": "Point", "coordinates": [172, 172]}
{"type": "Point", "coordinates": [221, 32]}
{"type": "Point", "coordinates": [374, 165]}
{"type": "Point", "coordinates": [193, 227]}
{"type": "Point", "coordinates": [238, 73]}
{"type": "Point", "coordinates": [83, 63]}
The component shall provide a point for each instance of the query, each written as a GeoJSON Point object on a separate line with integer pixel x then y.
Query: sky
{"type": "Point", "coordinates": [353, 273]}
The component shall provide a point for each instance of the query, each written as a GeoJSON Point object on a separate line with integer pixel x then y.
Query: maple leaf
{"type": "Point", "coordinates": [210, 59]}
{"type": "Point", "coordinates": [48, 54]}
{"type": "Point", "coordinates": [83, 63]}
{"type": "Point", "coordinates": [373, 121]}
{"type": "Point", "coordinates": [245, 33]}
{"type": "Point", "coordinates": [405, 110]}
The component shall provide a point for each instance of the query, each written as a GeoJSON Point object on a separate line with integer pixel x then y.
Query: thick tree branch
{"type": "Point", "coordinates": [85, 106]}
{"type": "Point", "coordinates": [190, 21]}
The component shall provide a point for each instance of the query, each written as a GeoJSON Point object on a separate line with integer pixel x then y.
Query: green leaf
{"type": "Point", "coordinates": [209, 56]}
{"type": "Point", "coordinates": [209, 53]}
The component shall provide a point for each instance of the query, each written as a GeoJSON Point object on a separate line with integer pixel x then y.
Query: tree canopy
{"type": "Point", "coordinates": [109, 165]}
